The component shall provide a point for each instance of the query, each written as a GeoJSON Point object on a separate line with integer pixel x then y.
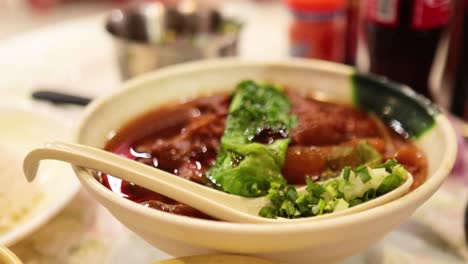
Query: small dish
{"type": "Point", "coordinates": [25, 125]}
{"type": "Point", "coordinates": [216, 259]}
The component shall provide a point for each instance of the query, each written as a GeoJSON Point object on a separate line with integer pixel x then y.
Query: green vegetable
{"type": "Point", "coordinates": [350, 188]}
{"type": "Point", "coordinates": [363, 173]}
{"type": "Point", "coordinates": [244, 165]}
{"type": "Point", "coordinates": [346, 172]}
{"type": "Point", "coordinates": [397, 178]}
{"type": "Point", "coordinates": [414, 115]}
{"type": "Point", "coordinates": [342, 156]}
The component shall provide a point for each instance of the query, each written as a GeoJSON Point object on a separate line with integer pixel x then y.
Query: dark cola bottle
{"type": "Point", "coordinates": [459, 105]}
{"type": "Point", "coordinates": [453, 94]}
{"type": "Point", "coordinates": [402, 37]}
{"type": "Point", "coordinates": [459, 44]}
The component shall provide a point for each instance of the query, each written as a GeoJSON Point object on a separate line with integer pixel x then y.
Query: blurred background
{"type": "Point", "coordinates": [416, 42]}
{"type": "Point", "coordinates": [88, 48]}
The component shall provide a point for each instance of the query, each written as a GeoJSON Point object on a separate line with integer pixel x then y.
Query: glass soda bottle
{"type": "Point", "coordinates": [402, 37]}
{"type": "Point", "coordinates": [453, 93]}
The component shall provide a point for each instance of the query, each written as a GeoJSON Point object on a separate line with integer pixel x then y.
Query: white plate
{"type": "Point", "coordinates": [24, 125]}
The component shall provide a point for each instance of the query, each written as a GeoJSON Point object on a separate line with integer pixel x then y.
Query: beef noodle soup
{"type": "Point", "coordinates": [184, 139]}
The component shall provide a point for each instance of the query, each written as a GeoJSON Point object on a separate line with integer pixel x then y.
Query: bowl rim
{"type": "Point", "coordinates": [422, 192]}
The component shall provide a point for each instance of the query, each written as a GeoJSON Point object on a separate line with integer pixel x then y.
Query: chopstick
{"type": "Point", "coordinates": [60, 98]}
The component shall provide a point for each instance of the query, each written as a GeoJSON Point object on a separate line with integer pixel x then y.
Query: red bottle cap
{"type": "Point", "coordinates": [316, 5]}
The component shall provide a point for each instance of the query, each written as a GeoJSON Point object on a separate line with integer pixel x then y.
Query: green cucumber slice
{"type": "Point", "coordinates": [409, 113]}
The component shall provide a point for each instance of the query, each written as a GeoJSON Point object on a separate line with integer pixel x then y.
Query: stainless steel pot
{"type": "Point", "coordinates": [150, 35]}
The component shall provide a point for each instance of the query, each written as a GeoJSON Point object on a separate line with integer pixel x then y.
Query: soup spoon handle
{"type": "Point", "coordinates": [215, 203]}
{"type": "Point", "coordinates": [212, 202]}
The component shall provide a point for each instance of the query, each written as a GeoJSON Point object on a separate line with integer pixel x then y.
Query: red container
{"type": "Point", "coordinates": [318, 29]}
{"type": "Point", "coordinates": [41, 4]}
{"type": "Point", "coordinates": [352, 29]}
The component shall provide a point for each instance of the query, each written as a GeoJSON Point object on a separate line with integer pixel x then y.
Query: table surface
{"type": "Point", "coordinates": [84, 232]}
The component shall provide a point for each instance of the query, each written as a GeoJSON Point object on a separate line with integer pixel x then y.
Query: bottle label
{"type": "Point", "coordinates": [383, 12]}
{"type": "Point", "coordinates": [429, 14]}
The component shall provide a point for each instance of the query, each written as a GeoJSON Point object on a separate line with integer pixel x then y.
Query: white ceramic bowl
{"type": "Point", "coordinates": [318, 242]}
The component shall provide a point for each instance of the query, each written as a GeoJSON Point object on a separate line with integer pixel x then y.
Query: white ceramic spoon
{"type": "Point", "coordinates": [212, 202]}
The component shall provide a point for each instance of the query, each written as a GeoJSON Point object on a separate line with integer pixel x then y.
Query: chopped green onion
{"type": "Point", "coordinates": [350, 188]}
{"type": "Point", "coordinates": [363, 173]}
{"type": "Point", "coordinates": [346, 172]}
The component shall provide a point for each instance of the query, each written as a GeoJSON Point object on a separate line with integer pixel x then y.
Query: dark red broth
{"type": "Point", "coordinates": [183, 139]}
